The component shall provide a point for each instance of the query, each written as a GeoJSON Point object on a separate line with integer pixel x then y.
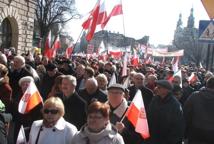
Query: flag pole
{"type": "Point", "coordinates": [124, 32]}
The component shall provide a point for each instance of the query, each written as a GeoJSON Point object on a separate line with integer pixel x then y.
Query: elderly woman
{"type": "Point", "coordinates": [102, 82]}
{"type": "Point", "coordinates": [25, 119]}
{"type": "Point", "coordinates": [98, 129]}
{"type": "Point", "coordinates": [53, 129]}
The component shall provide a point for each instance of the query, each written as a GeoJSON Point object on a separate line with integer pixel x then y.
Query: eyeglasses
{"type": "Point", "coordinates": [52, 111]}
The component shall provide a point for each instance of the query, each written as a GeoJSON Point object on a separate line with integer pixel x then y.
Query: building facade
{"type": "Point", "coordinates": [17, 24]}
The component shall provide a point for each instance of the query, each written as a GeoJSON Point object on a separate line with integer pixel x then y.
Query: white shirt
{"type": "Point", "coordinates": [61, 133]}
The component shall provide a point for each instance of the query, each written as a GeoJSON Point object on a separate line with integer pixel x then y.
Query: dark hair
{"type": "Point", "coordinates": [99, 107]}
{"type": "Point", "coordinates": [210, 83]}
{"type": "Point", "coordinates": [89, 71]}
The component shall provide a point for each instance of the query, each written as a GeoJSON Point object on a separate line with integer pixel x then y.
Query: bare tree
{"type": "Point", "coordinates": [50, 13]}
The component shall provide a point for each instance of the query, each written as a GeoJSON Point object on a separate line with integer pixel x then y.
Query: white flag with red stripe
{"type": "Point", "coordinates": [21, 139]}
{"type": "Point", "coordinates": [30, 99]}
{"type": "Point", "coordinates": [136, 114]}
{"type": "Point", "coordinates": [116, 10]}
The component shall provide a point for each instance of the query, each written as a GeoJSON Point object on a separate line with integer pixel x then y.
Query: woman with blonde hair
{"type": "Point", "coordinates": [53, 129]}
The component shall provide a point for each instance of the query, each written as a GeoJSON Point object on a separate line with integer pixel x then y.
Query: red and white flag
{"type": "Point", "coordinates": [175, 64]}
{"type": "Point", "coordinates": [48, 51]}
{"type": "Point", "coordinates": [21, 139]}
{"type": "Point", "coordinates": [30, 99]}
{"type": "Point", "coordinates": [192, 78]}
{"type": "Point", "coordinates": [135, 59]}
{"type": "Point", "coordinates": [116, 10]}
{"type": "Point", "coordinates": [125, 63]}
{"type": "Point", "coordinates": [113, 80]}
{"type": "Point", "coordinates": [69, 51]}
{"type": "Point", "coordinates": [91, 22]}
{"type": "Point", "coordinates": [55, 46]}
{"type": "Point", "coordinates": [136, 114]}
{"type": "Point", "coordinates": [101, 17]}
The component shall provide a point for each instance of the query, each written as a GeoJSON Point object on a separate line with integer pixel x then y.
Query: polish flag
{"type": "Point", "coordinates": [21, 139]}
{"type": "Point", "coordinates": [125, 63]}
{"type": "Point", "coordinates": [136, 114]}
{"type": "Point", "coordinates": [175, 64]}
{"type": "Point", "coordinates": [116, 10]}
{"type": "Point", "coordinates": [30, 99]}
{"type": "Point", "coordinates": [135, 60]}
{"type": "Point", "coordinates": [101, 17]}
{"type": "Point", "coordinates": [113, 80]}
{"type": "Point", "coordinates": [69, 51]}
{"type": "Point", "coordinates": [192, 78]}
{"type": "Point", "coordinates": [47, 51]}
{"type": "Point", "coordinates": [55, 46]}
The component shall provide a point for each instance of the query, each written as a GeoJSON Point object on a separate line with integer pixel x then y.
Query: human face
{"type": "Point", "coordinates": [17, 63]}
{"type": "Point", "coordinates": [96, 122]}
{"type": "Point", "coordinates": [138, 80]}
{"type": "Point", "coordinates": [161, 91]}
{"type": "Point", "coordinates": [102, 83]}
{"type": "Point", "coordinates": [115, 97]}
{"type": "Point", "coordinates": [24, 86]}
{"type": "Point", "coordinates": [51, 115]}
{"type": "Point", "coordinates": [67, 87]}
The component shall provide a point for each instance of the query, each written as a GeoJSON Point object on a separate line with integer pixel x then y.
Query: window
{"type": "Point", "coordinates": [5, 34]}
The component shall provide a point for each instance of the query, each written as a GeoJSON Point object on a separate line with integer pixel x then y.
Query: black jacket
{"type": "Point", "coordinates": [75, 110]}
{"type": "Point", "coordinates": [146, 93]}
{"type": "Point", "coordinates": [166, 121]}
{"type": "Point", "coordinates": [199, 116]}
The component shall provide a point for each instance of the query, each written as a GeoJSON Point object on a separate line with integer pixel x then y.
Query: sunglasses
{"type": "Point", "coordinates": [52, 111]}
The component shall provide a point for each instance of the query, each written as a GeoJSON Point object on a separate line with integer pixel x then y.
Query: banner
{"type": "Point", "coordinates": [168, 54]}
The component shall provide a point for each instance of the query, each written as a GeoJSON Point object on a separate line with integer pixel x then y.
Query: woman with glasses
{"type": "Point", "coordinates": [53, 129]}
{"type": "Point", "coordinates": [98, 129]}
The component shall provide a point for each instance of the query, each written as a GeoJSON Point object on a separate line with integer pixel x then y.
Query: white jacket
{"type": "Point", "coordinates": [61, 133]}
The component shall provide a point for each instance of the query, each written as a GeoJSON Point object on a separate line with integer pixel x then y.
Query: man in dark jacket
{"type": "Point", "coordinates": [198, 112]}
{"type": "Point", "coordinates": [48, 79]}
{"type": "Point", "coordinates": [147, 94]}
{"type": "Point", "coordinates": [118, 106]}
{"type": "Point", "coordinates": [75, 106]}
{"type": "Point", "coordinates": [165, 116]}
{"type": "Point", "coordinates": [92, 92]}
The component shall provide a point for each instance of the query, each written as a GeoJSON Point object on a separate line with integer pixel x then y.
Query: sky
{"type": "Point", "coordinates": [155, 18]}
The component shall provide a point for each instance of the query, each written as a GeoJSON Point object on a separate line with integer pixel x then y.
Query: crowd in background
{"type": "Point", "coordinates": [80, 102]}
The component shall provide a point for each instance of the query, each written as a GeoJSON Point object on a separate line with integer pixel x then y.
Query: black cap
{"type": "Point", "coordinates": [50, 66]}
{"type": "Point", "coordinates": [165, 84]}
{"type": "Point", "coordinates": [116, 86]}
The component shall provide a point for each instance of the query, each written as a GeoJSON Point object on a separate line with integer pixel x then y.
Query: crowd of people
{"type": "Point", "coordinates": [81, 107]}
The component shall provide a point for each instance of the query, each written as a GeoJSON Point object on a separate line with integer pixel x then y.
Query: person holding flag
{"type": "Point", "coordinates": [118, 107]}
{"type": "Point", "coordinates": [29, 106]}
{"type": "Point", "coordinates": [165, 116]}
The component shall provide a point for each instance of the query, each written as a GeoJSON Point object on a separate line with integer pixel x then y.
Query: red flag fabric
{"type": "Point", "coordinates": [92, 27]}
{"type": "Point", "coordinates": [136, 114]}
{"type": "Point", "coordinates": [69, 51]}
{"type": "Point", "coordinates": [55, 46]}
{"type": "Point", "coordinates": [117, 10]}
{"type": "Point", "coordinates": [135, 59]}
{"type": "Point", "coordinates": [101, 17]}
{"type": "Point", "coordinates": [192, 78]}
{"type": "Point", "coordinates": [30, 99]}
{"type": "Point", "coordinates": [47, 51]}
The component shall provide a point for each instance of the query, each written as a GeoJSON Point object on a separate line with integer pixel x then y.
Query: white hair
{"type": "Point", "coordinates": [92, 81]}
{"type": "Point", "coordinates": [21, 58]}
{"type": "Point", "coordinates": [26, 79]}
{"type": "Point", "coordinates": [71, 78]}
{"type": "Point", "coordinates": [3, 58]}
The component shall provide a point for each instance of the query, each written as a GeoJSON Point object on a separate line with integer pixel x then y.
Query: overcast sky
{"type": "Point", "coordinates": [155, 18]}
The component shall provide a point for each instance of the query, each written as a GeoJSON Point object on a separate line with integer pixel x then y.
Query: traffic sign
{"type": "Point", "coordinates": [208, 5]}
{"type": "Point", "coordinates": [206, 31]}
